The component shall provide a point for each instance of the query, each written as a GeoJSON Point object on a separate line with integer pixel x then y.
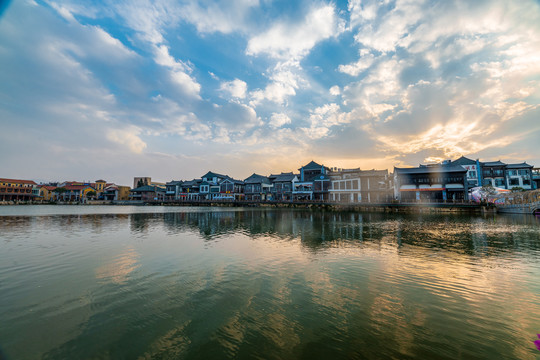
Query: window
{"type": "Point", "coordinates": [523, 172]}
{"type": "Point", "coordinates": [472, 174]}
{"type": "Point", "coordinates": [512, 172]}
{"type": "Point", "coordinates": [499, 182]}
{"type": "Point", "coordinates": [514, 182]}
{"type": "Point", "coordinates": [527, 182]}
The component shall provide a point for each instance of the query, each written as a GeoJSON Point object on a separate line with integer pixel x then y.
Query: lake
{"type": "Point", "coordinates": [121, 282]}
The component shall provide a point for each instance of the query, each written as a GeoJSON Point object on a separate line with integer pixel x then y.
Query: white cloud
{"type": "Point", "coordinates": [128, 137]}
{"type": "Point", "coordinates": [354, 69]}
{"type": "Point", "coordinates": [334, 90]}
{"type": "Point", "coordinates": [178, 71]}
{"type": "Point", "coordinates": [225, 16]}
{"type": "Point", "coordinates": [295, 40]}
{"type": "Point", "coordinates": [279, 119]}
{"type": "Point", "coordinates": [236, 88]}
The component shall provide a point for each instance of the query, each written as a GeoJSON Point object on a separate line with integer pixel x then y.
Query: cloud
{"type": "Point", "coordinates": [128, 137]}
{"type": "Point", "coordinates": [236, 88]}
{"type": "Point", "coordinates": [294, 40]}
{"type": "Point", "coordinates": [178, 71]}
{"type": "Point", "coordinates": [279, 119]}
{"type": "Point", "coordinates": [221, 16]}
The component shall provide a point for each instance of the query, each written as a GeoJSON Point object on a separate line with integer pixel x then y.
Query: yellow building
{"type": "Point", "coordinates": [16, 190]}
{"type": "Point", "coordinates": [46, 192]}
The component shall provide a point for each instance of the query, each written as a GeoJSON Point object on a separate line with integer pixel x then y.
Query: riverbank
{"type": "Point", "coordinates": [458, 208]}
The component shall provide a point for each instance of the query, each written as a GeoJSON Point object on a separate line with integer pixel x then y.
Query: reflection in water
{"type": "Point", "coordinates": [256, 283]}
{"type": "Point", "coordinates": [118, 268]}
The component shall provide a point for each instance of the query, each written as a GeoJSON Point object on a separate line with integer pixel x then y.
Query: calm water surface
{"type": "Point", "coordinates": [90, 282]}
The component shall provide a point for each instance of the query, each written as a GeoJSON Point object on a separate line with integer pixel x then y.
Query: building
{"type": "Point", "coordinates": [473, 170]}
{"type": "Point", "coordinates": [431, 183]}
{"type": "Point", "coordinates": [360, 186]}
{"type": "Point", "coordinates": [209, 187]}
{"type": "Point", "coordinates": [230, 189]}
{"type": "Point", "coordinates": [190, 190]}
{"type": "Point", "coordinates": [173, 190]}
{"type": "Point", "coordinates": [141, 181]}
{"type": "Point", "coordinates": [258, 188]}
{"type": "Point", "coordinates": [16, 190]}
{"type": "Point", "coordinates": [46, 192]}
{"type": "Point", "coordinates": [116, 193]}
{"type": "Point", "coordinates": [148, 193]}
{"type": "Point", "coordinates": [282, 186]}
{"type": "Point", "coordinates": [312, 184]}
{"type": "Point", "coordinates": [73, 192]}
{"type": "Point", "coordinates": [519, 176]}
{"type": "Point", "coordinates": [536, 177]}
{"type": "Point", "coordinates": [494, 174]}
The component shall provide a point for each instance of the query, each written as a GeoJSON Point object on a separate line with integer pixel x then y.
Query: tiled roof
{"type": "Point", "coordinates": [48, 187]}
{"type": "Point", "coordinates": [518, 166]}
{"type": "Point", "coordinates": [464, 161]}
{"type": "Point", "coordinates": [256, 179]}
{"type": "Point", "coordinates": [311, 166]}
{"type": "Point", "coordinates": [284, 177]}
{"type": "Point", "coordinates": [431, 169]}
{"type": "Point", "coordinates": [77, 187]}
{"type": "Point", "coordinates": [493, 163]}
{"type": "Point", "coordinates": [17, 181]}
{"type": "Point", "coordinates": [211, 174]}
{"type": "Point", "coordinates": [147, 188]}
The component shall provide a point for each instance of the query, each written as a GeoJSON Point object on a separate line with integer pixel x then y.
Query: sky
{"type": "Point", "coordinates": [172, 89]}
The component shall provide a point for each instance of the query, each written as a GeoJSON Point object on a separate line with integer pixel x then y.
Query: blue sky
{"type": "Point", "coordinates": [172, 89]}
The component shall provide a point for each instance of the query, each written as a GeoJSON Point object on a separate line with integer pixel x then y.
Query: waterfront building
{"type": "Point", "coordinates": [473, 170]}
{"type": "Point", "coordinates": [432, 183]}
{"type": "Point", "coordinates": [46, 192]}
{"type": "Point", "coordinates": [282, 185]}
{"type": "Point", "coordinates": [312, 184]}
{"type": "Point", "coordinates": [116, 192]}
{"type": "Point", "coordinates": [141, 181]}
{"type": "Point", "coordinates": [360, 186]}
{"type": "Point", "coordinates": [519, 176]}
{"type": "Point", "coordinates": [173, 190]}
{"type": "Point", "coordinates": [536, 177]}
{"type": "Point", "coordinates": [73, 191]}
{"type": "Point", "coordinates": [148, 193]}
{"type": "Point", "coordinates": [16, 190]}
{"type": "Point", "coordinates": [209, 187]}
{"type": "Point", "coordinates": [190, 190]}
{"type": "Point", "coordinates": [258, 188]}
{"type": "Point", "coordinates": [230, 189]}
{"type": "Point", "coordinates": [493, 174]}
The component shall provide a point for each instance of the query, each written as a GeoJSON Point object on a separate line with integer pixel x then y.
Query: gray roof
{"type": "Point", "coordinates": [148, 188]}
{"type": "Point", "coordinates": [256, 179]}
{"type": "Point", "coordinates": [193, 182]}
{"type": "Point", "coordinates": [211, 174]}
{"type": "Point", "coordinates": [493, 163]}
{"type": "Point", "coordinates": [284, 177]}
{"type": "Point", "coordinates": [464, 161]}
{"type": "Point", "coordinates": [174, 183]}
{"type": "Point", "coordinates": [518, 166]}
{"type": "Point", "coordinates": [234, 181]}
{"type": "Point", "coordinates": [431, 169]}
{"type": "Point", "coordinates": [311, 166]}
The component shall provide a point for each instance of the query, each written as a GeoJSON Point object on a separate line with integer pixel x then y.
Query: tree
{"type": "Point", "coordinates": [140, 183]}
{"type": "Point", "coordinates": [91, 194]}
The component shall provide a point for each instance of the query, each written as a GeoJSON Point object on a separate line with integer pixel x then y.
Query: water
{"type": "Point", "coordinates": [91, 282]}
